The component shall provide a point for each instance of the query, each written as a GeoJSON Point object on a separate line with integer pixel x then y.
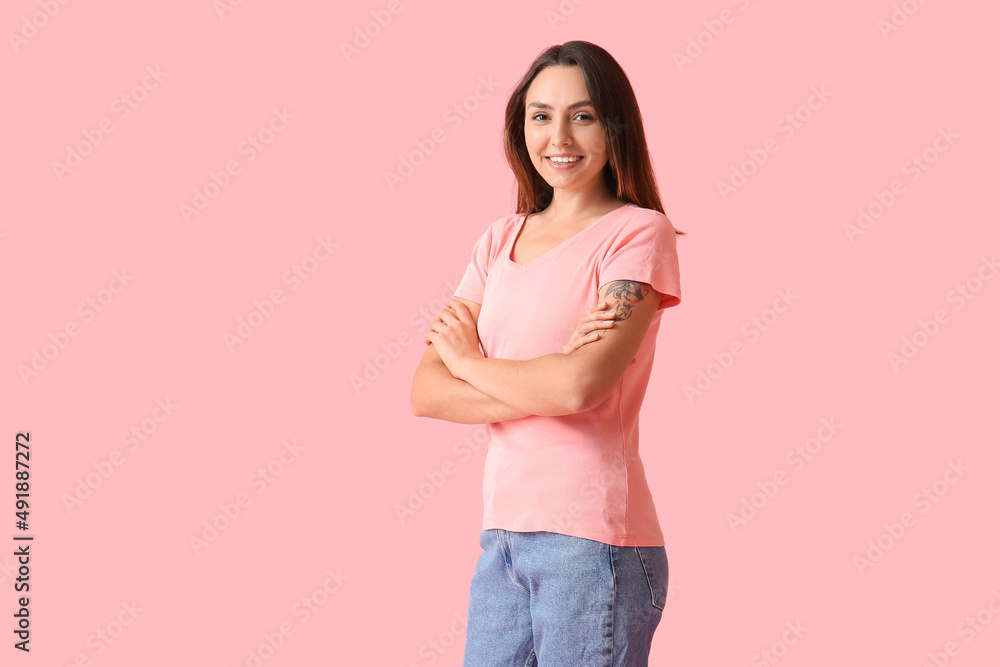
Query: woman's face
{"type": "Point", "coordinates": [560, 121]}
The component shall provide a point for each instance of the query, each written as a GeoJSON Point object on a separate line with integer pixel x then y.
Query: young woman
{"type": "Point", "coordinates": [573, 570]}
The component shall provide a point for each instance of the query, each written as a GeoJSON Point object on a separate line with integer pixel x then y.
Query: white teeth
{"type": "Point", "coordinates": [564, 160]}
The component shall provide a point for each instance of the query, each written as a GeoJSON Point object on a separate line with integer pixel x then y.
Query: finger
{"type": "Point", "coordinates": [588, 326]}
{"type": "Point", "coordinates": [439, 326]}
{"type": "Point", "coordinates": [459, 307]}
{"type": "Point", "coordinates": [601, 318]}
{"type": "Point", "coordinates": [459, 310]}
{"type": "Point", "coordinates": [580, 341]}
{"type": "Point", "coordinates": [600, 312]}
{"type": "Point", "coordinates": [585, 336]}
{"type": "Point", "coordinates": [569, 348]}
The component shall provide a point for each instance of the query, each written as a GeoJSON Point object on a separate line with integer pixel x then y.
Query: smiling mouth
{"type": "Point", "coordinates": [564, 160]}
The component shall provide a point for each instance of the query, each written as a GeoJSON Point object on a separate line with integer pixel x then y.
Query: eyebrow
{"type": "Point", "coordinates": [548, 107]}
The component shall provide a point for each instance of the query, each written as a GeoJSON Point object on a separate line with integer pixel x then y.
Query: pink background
{"type": "Point", "coordinates": [401, 587]}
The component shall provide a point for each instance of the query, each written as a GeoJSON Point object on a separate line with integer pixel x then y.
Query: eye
{"type": "Point", "coordinates": [582, 116]}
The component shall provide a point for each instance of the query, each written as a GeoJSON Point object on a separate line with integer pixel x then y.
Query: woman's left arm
{"type": "Point", "coordinates": [558, 384]}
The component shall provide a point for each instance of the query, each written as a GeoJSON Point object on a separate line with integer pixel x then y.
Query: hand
{"type": "Point", "coordinates": [454, 336]}
{"type": "Point", "coordinates": [588, 329]}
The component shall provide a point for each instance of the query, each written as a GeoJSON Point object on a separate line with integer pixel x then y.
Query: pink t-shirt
{"type": "Point", "coordinates": [577, 474]}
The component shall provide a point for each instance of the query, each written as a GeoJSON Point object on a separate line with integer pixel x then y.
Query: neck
{"type": "Point", "coordinates": [567, 204]}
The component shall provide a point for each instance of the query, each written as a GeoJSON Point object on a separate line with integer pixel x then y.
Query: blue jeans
{"type": "Point", "coordinates": [550, 600]}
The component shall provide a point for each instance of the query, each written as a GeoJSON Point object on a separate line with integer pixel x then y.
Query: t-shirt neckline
{"type": "Point", "coordinates": [551, 251]}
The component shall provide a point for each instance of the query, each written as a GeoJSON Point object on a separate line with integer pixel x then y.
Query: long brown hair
{"type": "Point", "coordinates": [629, 172]}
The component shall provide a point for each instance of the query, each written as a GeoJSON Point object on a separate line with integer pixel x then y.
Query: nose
{"type": "Point", "coordinates": [561, 135]}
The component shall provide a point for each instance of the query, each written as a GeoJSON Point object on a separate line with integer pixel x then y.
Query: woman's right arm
{"type": "Point", "coordinates": [438, 394]}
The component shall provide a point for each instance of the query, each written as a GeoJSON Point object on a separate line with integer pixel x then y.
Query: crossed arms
{"type": "Point", "coordinates": [454, 382]}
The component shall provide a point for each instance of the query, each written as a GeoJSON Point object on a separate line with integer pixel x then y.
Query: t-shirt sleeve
{"type": "Point", "coordinates": [645, 250]}
{"type": "Point", "coordinates": [473, 283]}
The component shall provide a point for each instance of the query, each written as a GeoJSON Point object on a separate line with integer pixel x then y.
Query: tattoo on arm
{"type": "Point", "coordinates": [628, 293]}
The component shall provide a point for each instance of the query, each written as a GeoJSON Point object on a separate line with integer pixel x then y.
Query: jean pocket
{"type": "Point", "coordinates": [654, 564]}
